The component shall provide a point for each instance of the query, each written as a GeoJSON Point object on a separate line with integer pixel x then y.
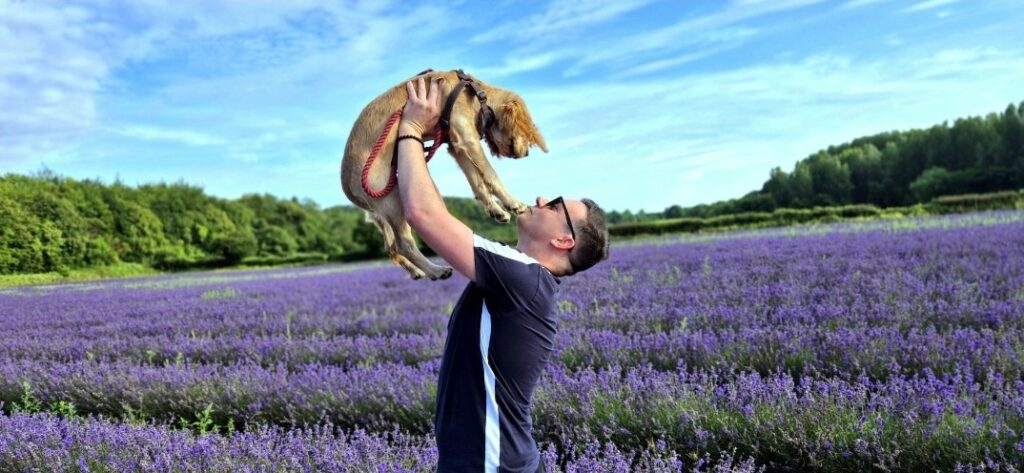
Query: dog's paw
{"type": "Point", "coordinates": [414, 272]}
{"type": "Point", "coordinates": [442, 272]}
{"type": "Point", "coordinates": [500, 215]}
{"type": "Point", "coordinates": [517, 208]}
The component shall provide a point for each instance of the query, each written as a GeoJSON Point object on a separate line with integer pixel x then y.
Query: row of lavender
{"type": "Point", "coordinates": [907, 343]}
{"type": "Point", "coordinates": [812, 422]}
{"type": "Point", "coordinates": [48, 443]}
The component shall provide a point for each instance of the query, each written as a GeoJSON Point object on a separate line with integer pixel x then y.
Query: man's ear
{"type": "Point", "coordinates": [563, 242]}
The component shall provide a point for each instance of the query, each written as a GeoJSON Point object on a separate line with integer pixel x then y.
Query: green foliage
{"type": "Point", "coordinates": [777, 218]}
{"type": "Point", "coordinates": [226, 293]}
{"type": "Point", "coordinates": [276, 241]}
{"type": "Point", "coordinates": [931, 183]}
{"type": "Point", "coordinates": [205, 423]}
{"type": "Point", "coordinates": [27, 243]}
{"type": "Point", "coordinates": [976, 202]}
{"type": "Point", "coordinates": [233, 247]}
{"type": "Point", "coordinates": [65, 409]}
{"type": "Point", "coordinates": [52, 227]}
{"type": "Point", "coordinates": [366, 236]}
{"type": "Point", "coordinates": [28, 402]}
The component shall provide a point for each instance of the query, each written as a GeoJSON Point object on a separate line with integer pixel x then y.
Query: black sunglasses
{"type": "Point", "coordinates": [558, 200]}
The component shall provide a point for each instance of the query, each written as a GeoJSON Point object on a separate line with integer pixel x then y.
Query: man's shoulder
{"type": "Point", "coordinates": [502, 249]}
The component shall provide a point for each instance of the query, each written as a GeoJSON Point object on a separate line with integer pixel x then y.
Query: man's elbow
{"type": "Point", "coordinates": [416, 216]}
{"type": "Point", "coordinates": [420, 217]}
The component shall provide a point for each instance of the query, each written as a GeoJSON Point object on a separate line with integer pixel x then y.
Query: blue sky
{"type": "Point", "coordinates": [643, 104]}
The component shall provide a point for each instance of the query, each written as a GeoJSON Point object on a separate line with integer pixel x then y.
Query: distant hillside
{"type": "Point", "coordinates": [892, 169]}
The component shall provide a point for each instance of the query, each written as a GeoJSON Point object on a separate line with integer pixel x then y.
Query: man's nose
{"type": "Point", "coordinates": [541, 201]}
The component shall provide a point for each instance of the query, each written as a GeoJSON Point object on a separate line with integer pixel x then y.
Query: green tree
{"type": "Point", "coordinates": [139, 231]}
{"type": "Point", "coordinates": [675, 211]}
{"type": "Point", "coordinates": [234, 246]}
{"type": "Point", "coordinates": [275, 241]}
{"type": "Point", "coordinates": [27, 244]}
{"type": "Point", "coordinates": [932, 183]}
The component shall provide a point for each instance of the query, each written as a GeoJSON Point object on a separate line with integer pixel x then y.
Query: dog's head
{"type": "Point", "coordinates": [512, 131]}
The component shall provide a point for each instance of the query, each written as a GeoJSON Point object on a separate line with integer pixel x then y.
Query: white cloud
{"type": "Point", "coordinates": [861, 3]}
{"type": "Point", "coordinates": [50, 69]}
{"type": "Point", "coordinates": [709, 31]}
{"type": "Point", "coordinates": [662, 64]}
{"type": "Point", "coordinates": [182, 136]}
{"type": "Point", "coordinates": [927, 5]}
{"type": "Point", "coordinates": [559, 18]}
{"type": "Point", "coordinates": [63, 55]}
{"type": "Point", "coordinates": [518, 64]}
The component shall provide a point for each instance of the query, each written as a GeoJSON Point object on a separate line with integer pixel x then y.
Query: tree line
{"type": "Point", "coordinates": [893, 169]}
{"type": "Point", "coordinates": [53, 223]}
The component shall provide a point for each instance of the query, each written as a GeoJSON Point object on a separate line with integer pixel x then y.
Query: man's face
{"type": "Point", "coordinates": [545, 222]}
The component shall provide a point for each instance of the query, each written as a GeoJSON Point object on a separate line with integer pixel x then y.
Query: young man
{"type": "Point", "coordinates": [502, 330]}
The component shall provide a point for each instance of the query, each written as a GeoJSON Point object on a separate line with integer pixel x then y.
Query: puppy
{"type": "Point", "coordinates": [502, 120]}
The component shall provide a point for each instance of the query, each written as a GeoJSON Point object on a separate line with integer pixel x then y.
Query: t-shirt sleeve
{"type": "Point", "coordinates": [508, 277]}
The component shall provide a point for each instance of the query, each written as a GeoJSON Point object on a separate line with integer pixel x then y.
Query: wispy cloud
{"type": "Point", "coordinates": [861, 3]}
{"type": "Point", "coordinates": [714, 30]}
{"type": "Point", "coordinates": [559, 17]}
{"type": "Point", "coordinates": [181, 136]}
{"type": "Point", "coordinates": [928, 5]}
{"type": "Point", "coordinates": [50, 68]}
{"type": "Point", "coordinates": [516, 64]}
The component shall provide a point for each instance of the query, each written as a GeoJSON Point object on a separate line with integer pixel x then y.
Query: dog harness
{"type": "Point", "coordinates": [484, 120]}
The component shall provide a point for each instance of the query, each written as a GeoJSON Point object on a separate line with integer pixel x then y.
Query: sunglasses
{"type": "Point", "coordinates": [558, 200]}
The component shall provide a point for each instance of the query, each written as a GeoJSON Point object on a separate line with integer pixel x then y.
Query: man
{"type": "Point", "coordinates": [502, 330]}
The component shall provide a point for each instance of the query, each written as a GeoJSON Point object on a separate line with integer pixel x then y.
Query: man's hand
{"type": "Point", "coordinates": [423, 108]}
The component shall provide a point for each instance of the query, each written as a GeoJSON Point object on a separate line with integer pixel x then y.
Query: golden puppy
{"type": "Point", "coordinates": [479, 111]}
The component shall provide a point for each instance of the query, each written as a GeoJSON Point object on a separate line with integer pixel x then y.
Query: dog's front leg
{"type": "Point", "coordinates": [469, 155]}
{"type": "Point", "coordinates": [498, 189]}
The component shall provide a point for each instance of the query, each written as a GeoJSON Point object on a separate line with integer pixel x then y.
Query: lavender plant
{"type": "Point", "coordinates": [881, 346]}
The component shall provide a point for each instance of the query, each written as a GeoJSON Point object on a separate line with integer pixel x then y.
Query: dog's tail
{"type": "Point", "coordinates": [386, 231]}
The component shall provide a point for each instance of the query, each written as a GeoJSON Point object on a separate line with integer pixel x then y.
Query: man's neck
{"type": "Point", "coordinates": [545, 258]}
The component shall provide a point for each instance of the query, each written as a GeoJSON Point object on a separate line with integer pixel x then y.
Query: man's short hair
{"type": "Point", "coordinates": [591, 239]}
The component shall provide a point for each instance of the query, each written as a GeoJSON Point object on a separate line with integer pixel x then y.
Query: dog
{"type": "Point", "coordinates": [489, 113]}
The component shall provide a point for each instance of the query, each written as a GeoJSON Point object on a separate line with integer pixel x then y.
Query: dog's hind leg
{"type": "Point", "coordinates": [392, 243]}
{"type": "Point", "coordinates": [407, 251]}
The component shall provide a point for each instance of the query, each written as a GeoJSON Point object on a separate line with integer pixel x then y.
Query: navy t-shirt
{"type": "Point", "coordinates": [500, 336]}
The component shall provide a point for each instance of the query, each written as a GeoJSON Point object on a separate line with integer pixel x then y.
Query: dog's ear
{"type": "Point", "coordinates": [516, 119]}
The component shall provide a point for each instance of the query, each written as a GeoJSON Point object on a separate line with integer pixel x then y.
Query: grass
{"type": "Point", "coordinates": [120, 270]}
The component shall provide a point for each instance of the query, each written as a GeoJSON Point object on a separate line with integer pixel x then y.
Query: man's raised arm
{"type": "Point", "coordinates": [424, 209]}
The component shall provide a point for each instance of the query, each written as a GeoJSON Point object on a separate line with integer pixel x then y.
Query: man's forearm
{"type": "Point", "coordinates": [420, 200]}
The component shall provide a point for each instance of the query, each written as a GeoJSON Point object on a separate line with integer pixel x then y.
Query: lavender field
{"type": "Point", "coordinates": [877, 346]}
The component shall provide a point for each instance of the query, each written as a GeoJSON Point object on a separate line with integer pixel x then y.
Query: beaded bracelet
{"type": "Point", "coordinates": [410, 137]}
